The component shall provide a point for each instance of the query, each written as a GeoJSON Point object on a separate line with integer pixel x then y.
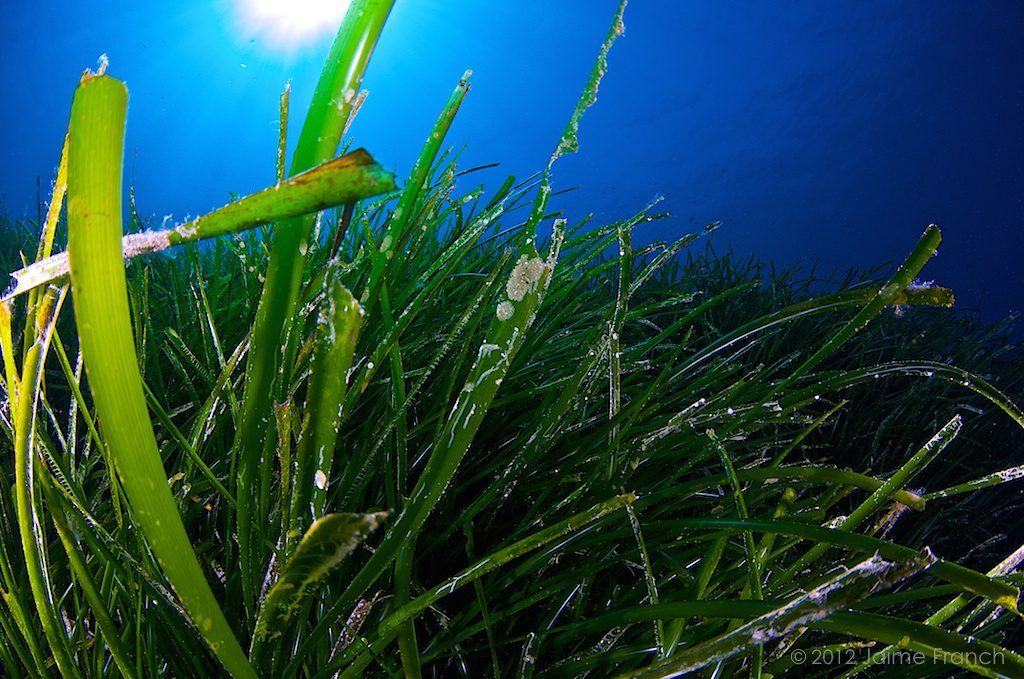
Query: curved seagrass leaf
{"type": "Point", "coordinates": [345, 179]}
{"type": "Point", "coordinates": [328, 541]}
{"type": "Point", "coordinates": [99, 286]}
{"type": "Point", "coordinates": [997, 591]}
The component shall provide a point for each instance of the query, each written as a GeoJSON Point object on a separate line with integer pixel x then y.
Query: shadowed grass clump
{"type": "Point", "coordinates": [414, 435]}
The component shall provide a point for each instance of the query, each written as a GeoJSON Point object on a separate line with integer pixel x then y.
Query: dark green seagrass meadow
{"type": "Point", "coordinates": [353, 425]}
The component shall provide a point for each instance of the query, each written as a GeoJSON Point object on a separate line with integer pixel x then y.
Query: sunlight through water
{"type": "Point", "coordinates": [291, 24]}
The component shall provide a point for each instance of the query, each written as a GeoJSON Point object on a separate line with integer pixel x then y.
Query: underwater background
{"type": "Point", "coordinates": [828, 132]}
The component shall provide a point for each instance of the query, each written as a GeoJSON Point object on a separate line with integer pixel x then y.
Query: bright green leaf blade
{"type": "Point", "coordinates": [342, 180]}
{"type": "Point", "coordinates": [99, 286]}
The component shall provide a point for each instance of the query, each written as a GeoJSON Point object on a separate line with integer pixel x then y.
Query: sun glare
{"type": "Point", "coordinates": [291, 24]}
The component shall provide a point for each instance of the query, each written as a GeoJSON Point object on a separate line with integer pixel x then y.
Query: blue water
{"type": "Point", "coordinates": [816, 131]}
